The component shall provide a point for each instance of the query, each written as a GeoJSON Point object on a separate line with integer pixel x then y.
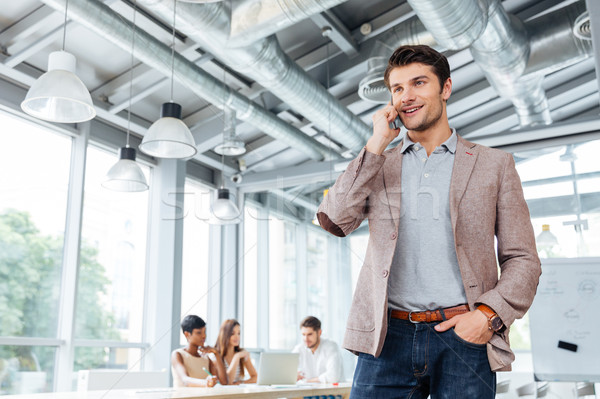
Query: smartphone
{"type": "Point", "coordinates": [396, 123]}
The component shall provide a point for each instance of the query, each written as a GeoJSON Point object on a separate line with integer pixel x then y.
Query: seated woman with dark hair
{"type": "Point", "coordinates": [235, 359]}
{"type": "Point", "coordinates": [191, 366]}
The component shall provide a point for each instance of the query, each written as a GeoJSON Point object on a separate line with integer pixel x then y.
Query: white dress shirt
{"type": "Point", "coordinates": [325, 363]}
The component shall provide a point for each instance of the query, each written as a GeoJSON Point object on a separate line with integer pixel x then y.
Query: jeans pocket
{"type": "Point", "coordinates": [366, 357]}
{"type": "Point", "coordinates": [467, 343]}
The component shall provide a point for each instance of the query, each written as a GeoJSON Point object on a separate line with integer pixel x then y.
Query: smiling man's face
{"type": "Point", "coordinates": [418, 97]}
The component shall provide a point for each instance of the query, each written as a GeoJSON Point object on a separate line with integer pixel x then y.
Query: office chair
{"type": "Point", "coordinates": [538, 389]}
{"type": "Point", "coordinates": [502, 387]}
{"type": "Point", "coordinates": [583, 389]}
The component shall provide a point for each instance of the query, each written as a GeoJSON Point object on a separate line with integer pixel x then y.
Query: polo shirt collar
{"type": "Point", "coordinates": [450, 144]}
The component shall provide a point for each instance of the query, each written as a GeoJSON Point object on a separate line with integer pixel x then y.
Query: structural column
{"type": "Point", "coordinates": [164, 260]}
{"type": "Point", "coordinates": [68, 286]}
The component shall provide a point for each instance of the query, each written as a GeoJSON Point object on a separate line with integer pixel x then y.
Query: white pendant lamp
{"type": "Point", "coordinates": [126, 175]}
{"type": "Point", "coordinates": [59, 95]}
{"type": "Point", "coordinates": [169, 137]}
{"type": "Point", "coordinates": [223, 210]}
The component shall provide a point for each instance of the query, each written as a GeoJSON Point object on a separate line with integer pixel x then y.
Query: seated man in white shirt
{"type": "Point", "coordinates": [320, 358]}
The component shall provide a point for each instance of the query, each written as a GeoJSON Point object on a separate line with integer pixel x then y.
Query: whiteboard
{"type": "Point", "coordinates": [565, 321]}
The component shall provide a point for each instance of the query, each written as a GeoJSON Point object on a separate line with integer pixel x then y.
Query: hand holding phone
{"type": "Point", "coordinates": [383, 135]}
{"type": "Point", "coordinates": [396, 123]}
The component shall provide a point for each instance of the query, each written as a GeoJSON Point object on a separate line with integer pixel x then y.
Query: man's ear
{"type": "Point", "coordinates": [319, 333]}
{"type": "Point", "coordinates": [447, 89]}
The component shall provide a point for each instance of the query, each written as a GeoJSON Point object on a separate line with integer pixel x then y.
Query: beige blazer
{"type": "Point", "coordinates": [486, 201]}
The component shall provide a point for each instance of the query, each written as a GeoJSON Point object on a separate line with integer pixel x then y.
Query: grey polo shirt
{"type": "Point", "coordinates": [425, 273]}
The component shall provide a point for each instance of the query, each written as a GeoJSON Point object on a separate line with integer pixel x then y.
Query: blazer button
{"type": "Point", "coordinates": [385, 273]}
{"type": "Point", "coordinates": [394, 236]}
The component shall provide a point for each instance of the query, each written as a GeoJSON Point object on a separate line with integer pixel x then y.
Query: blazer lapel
{"type": "Point", "coordinates": [392, 176]}
{"type": "Point", "coordinates": [464, 161]}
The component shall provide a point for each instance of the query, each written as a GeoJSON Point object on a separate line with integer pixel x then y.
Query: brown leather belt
{"type": "Point", "coordinates": [430, 315]}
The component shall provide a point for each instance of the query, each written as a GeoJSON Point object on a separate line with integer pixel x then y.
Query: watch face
{"type": "Point", "coordinates": [496, 323]}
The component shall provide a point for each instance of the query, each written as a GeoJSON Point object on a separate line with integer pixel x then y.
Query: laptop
{"type": "Point", "coordinates": [276, 368]}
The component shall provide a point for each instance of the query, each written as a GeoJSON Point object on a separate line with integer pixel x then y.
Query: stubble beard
{"type": "Point", "coordinates": [427, 123]}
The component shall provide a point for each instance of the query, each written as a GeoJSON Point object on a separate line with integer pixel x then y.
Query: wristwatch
{"type": "Point", "coordinates": [494, 322]}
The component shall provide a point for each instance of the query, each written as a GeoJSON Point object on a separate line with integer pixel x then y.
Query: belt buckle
{"type": "Point", "coordinates": [410, 318]}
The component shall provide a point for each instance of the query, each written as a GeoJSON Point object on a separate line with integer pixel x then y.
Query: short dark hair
{"type": "Point", "coordinates": [405, 55]}
{"type": "Point", "coordinates": [191, 322]}
{"type": "Point", "coordinates": [311, 322]}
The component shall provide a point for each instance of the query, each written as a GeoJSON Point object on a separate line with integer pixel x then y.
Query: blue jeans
{"type": "Point", "coordinates": [417, 361]}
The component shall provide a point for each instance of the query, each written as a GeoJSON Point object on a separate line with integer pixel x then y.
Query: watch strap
{"type": "Point", "coordinates": [487, 311]}
{"type": "Point", "coordinates": [493, 324]}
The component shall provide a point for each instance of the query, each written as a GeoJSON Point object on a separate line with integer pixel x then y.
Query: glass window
{"type": "Point", "coordinates": [194, 282]}
{"type": "Point", "coordinates": [93, 357]}
{"type": "Point", "coordinates": [562, 189]}
{"type": "Point", "coordinates": [34, 178]}
{"type": "Point", "coordinates": [26, 369]}
{"type": "Point", "coordinates": [548, 190]}
{"type": "Point", "coordinates": [283, 319]}
{"type": "Point", "coordinates": [541, 164]}
{"type": "Point", "coordinates": [250, 335]}
{"type": "Point", "coordinates": [317, 273]}
{"type": "Point", "coordinates": [112, 264]}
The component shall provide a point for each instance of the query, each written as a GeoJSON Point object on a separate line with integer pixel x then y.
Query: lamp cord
{"type": "Point", "coordinates": [131, 72]}
{"type": "Point", "coordinates": [329, 113]}
{"type": "Point", "coordinates": [223, 134]}
{"type": "Point", "coordinates": [65, 26]}
{"type": "Point", "coordinates": [173, 47]}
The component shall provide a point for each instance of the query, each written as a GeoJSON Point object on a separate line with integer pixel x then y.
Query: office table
{"type": "Point", "coordinates": [218, 392]}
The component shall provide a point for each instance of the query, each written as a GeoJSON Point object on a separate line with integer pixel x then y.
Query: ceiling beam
{"type": "Point", "coordinates": [16, 58]}
{"type": "Point", "coordinates": [26, 26]}
{"type": "Point", "coordinates": [153, 85]}
{"type": "Point", "coordinates": [310, 172]}
{"type": "Point", "coordinates": [541, 133]}
{"type": "Point", "coordinates": [337, 32]}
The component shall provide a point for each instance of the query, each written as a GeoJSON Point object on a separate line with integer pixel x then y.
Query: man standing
{"type": "Point", "coordinates": [430, 316]}
{"type": "Point", "coordinates": [320, 359]}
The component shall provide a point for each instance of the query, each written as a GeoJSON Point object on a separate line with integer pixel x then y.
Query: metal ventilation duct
{"type": "Point", "coordinates": [502, 51]}
{"type": "Point", "coordinates": [252, 20]}
{"type": "Point", "coordinates": [371, 87]}
{"type": "Point", "coordinates": [582, 28]}
{"type": "Point", "coordinates": [553, 42]}
{"type": "Point", "coordinates": [503, 48]}
{"type": "Point", "coordinates": [455, 24]}
{"type": "Point", "coordinates": [265, 62]}
{"type": "Point", "coordinates": [99, 18]}
{"type": "Point", "coordinates": [546, 34]}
